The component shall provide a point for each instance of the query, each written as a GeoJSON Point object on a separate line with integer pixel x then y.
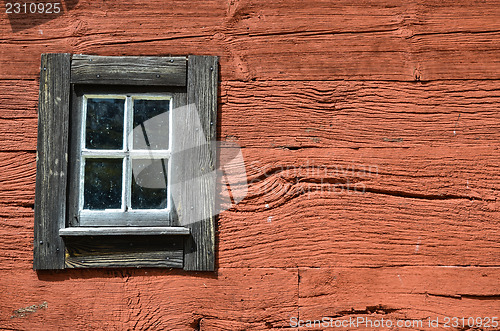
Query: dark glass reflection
{"type": "Point", "coordinates": [104, 123]}
{"type": "Point", "coordinates": [151, 124]}
{"type": "Point", "coordinates": [149, 183]}
{"type": "Point", "coordinates": [103, 184]}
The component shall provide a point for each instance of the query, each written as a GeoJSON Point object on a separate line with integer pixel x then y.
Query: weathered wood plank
{"type": "Point", "coordinates": [124, 251]}
{"type": "Point", "coordinates": [425, 172]}
{"type": "Point", "coordinates": [128, 70]}
{"type": "Point", "coordinates": [334, 114]}
{"type": "Point", "coordinates": [149, 298]}
{"type": "Point", "coordinates": [433, 206]}
{"type": "Point", "coordinates": [52, 156]}
{"type": "Point", "coordinates": [413, 293]}
{"type": "Point", "coordinates": [333, 229]}
{"type": "Point", "coordinates": [401, 209]}
{"type": "Point", "coordinates": [383, 40]}
{"type": "Point", "coordinates": [123, 231]}
{"type": "Point", "coordinates": [194, 160]}
{"type": "Point", "coordinates": [433, 171]}
{"type": "Point", "coordinates": [361, 114]}
{"type": "Point", "coordinates": [305, 57]}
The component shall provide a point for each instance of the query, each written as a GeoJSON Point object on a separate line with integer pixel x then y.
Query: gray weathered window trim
{"type": "Point", "coordinates": [192, 246]}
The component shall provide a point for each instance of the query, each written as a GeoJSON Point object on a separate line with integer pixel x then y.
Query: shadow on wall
{"type": "Point", "coordinates": [23, 14]}
{"type": "Point", "coordinates": [62, 275]}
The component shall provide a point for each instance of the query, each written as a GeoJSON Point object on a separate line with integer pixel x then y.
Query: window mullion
{"type": "Point", "coordinates": [127, 170]}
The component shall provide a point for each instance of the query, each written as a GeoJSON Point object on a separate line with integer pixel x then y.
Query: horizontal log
{"type": "Point", "coordinates": [373, 207]}
{"type": "Point", "coordinates": [358, 230]}
{"type": "Point", "coordinates": [19, 99]}
{"type": "Point", "coordinates": [16, 237]}
{"type": "Point", "coordinates": [410, 293]}
{"type": "Point", "coordinates": [319, 41]}
{"type": "Point", "coordinates": [323, 114]}
{"type": "Point", "coordinates": [360, 114]}
{"type": "Point", "coordinates": [437, 173]}
{"type": "Point", "coordinates": [432, 173]}
{"type": "Point", "coordinates": [366, 207]}
{"type": "Point", "coordinates": [306, 57]}
{"type": "Point", "coordinates": [148, 299]}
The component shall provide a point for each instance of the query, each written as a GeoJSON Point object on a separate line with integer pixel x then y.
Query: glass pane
{"type": "Point", "coordinates": [104, 124]}
{"type": "Point", "coordinates": [103, 184]}
{"type": "Point", "coordinates": [149, 183]}
{"type": "Point", "coordinates": [151, 124]}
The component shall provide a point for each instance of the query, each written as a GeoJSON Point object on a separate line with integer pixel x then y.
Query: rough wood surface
{"type": "Point", "coordinates": [361, 114]}
{"type": "Point", "coordinates": [345, 207]}
{"type": "Point", "coordinates": [284, 40]}
{"type": "Point", "coordinates": [354, 230]}
{"type": "Point", "coordinates": [351, 207]}
{"type": "Point", "coordinates": [194, 161]}
{"type": "Point", "coordinates": [128, 70]}
{"type": "Point", "coordinates": [51, 163]}
{"type": "Point", "coordinates": [124, 251]}
{"type": "Point", "coordinates": [324, 114]}
{"type": "Point", "coordinates": [411, 293]}
{"type": "Point", "coordinates": [150, 299]}
{"type": "Point", "coordinates": [399, 98]}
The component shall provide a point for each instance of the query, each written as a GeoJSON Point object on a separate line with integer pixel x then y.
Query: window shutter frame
{"type": "Point", "coordinates": [201, 80]}
{"type": "Point", "coordinates": [52, 161]}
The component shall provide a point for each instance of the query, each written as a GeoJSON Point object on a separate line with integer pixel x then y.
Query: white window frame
{"type": "Point", "coordinates": [126, 215]}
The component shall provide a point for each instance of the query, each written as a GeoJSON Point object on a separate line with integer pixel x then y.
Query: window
{"type": "Point", "coordinates": [122, 167]}
{"type": "Point", "coordinates": [125, 162]}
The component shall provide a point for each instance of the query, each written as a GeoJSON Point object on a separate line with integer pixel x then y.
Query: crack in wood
{"type": "Point", "coordinates": [378, 309]}
{"type": "Point", "coordinates": [494, 297]}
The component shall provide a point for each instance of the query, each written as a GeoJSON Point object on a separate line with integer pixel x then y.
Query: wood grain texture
{"type": "Point", "coordinates": [16, 239]}
{"type": "Point", "coordinates": [427, 206]}
{"type": "Point", "coordinates": [17, 178]}
{"type": "Point", "coordinates": [128, 70]}
{"type": "Point", "coordinates": [194, 161]}
{"type": "Point", "coordinates": [416, 293]}
{"type": "Point", "coordinates": [342, 207]}
{"type": "Point", "coordinates": [361, 114]}
{"type": "Point", "coordinates": [329, 114]}
{"type": "Point", "coordinates": [52, 158]}
{"type": "Point", "coordinates": [19, 99]}
{"type": "Point", "coordinates": [124, 251]}
{"type": "Point", "coordinates": [355, 230]}
{"type": "Point", "coordinates": [399, 98]}
{"type": "Point", "coordinates": [150, 299]}
{"type": "Point", "coordinates": [279, 40]}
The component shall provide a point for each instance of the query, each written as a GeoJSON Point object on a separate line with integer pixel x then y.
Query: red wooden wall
{"type": "Point", "coordinates": [371, 135]}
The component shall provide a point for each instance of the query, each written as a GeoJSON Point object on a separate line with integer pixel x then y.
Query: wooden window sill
{"type": "Point", "coordinates": [124, 231]}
